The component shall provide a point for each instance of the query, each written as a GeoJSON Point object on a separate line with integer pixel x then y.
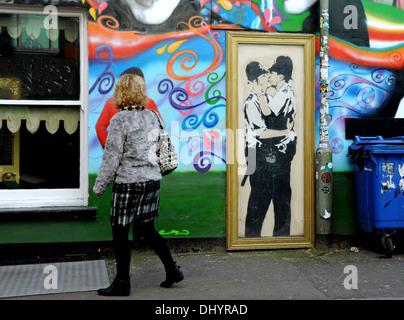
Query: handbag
{"type": "Point", "coordinates": [166, 153]}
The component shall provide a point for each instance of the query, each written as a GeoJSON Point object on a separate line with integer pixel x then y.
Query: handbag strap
{"type": "Point", "coordinates": [162, 125]}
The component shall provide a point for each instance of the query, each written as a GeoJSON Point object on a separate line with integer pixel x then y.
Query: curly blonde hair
{"type": "Point", "coordinates": [130, 91]}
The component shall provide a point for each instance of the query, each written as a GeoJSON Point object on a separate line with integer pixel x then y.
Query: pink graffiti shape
{"type": "Point", "coordinates": [268, 20]}
{"type": "Point", "coordinates": [102, 6]}
{"type": "Point", "coordinates": [267, 15]}
{"type": "Point", "coordinates": [275, 20]}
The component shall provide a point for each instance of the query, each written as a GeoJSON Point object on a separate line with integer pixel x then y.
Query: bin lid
{"type": "Point", "coordinates": [366, 147]}
{"type": "Point", "coordinates": [377, 144]}
{"type": "Point", "coordinates": [378, 140]}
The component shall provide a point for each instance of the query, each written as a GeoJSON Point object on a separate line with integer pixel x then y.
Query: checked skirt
{"type": "Point", "coordinates": [134, 202]}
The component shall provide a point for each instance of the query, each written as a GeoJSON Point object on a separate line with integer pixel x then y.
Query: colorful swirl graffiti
{"type": "Point", "coordinates": [194, 25]}
{"type": "Point", "coordinates": [203, 161]}
{"type": "Point", "coordinates": [209, 120]}
{"type": "Point", "coordinates": [354, 92]}
{"type": "Point", "coordinates": [179, 97]}
{"type": "Point", "coordinates": [106, 79]}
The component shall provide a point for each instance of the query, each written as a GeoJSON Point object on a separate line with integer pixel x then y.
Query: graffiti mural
{"type": "Point", "coordinates": [365, 62]}
{"type": "Point", "coordinates": [187, 84]}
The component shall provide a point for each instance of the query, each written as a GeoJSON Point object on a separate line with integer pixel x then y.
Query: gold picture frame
{"type": "Point", "coordinates": [265, 54]}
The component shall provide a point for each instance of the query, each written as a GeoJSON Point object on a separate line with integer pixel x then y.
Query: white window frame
{"type": "Point", "coordinates": [28, 198]}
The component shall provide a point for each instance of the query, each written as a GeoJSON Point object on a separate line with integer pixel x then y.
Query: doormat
{"type": "Point", "coordinates": [51, 278]}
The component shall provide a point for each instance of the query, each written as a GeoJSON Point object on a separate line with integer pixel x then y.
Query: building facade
{"type": "Point", "coordinates": [60, 59]}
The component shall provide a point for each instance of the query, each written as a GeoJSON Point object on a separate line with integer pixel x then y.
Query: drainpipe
{"type": "Point", "coordinates": [324, 152]}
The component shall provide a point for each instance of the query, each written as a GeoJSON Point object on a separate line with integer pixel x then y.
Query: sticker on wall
{"type": "Point", "coordinates": [387, 167]}
{"type": "Point", "coordinates": [389, 184]}
{"type": "Point", "coordinates": [325, 15]}
{"type": "Point", "coordinates": [326, 177]}
{"type": "Point", "coordinates": [327, 215]}
{"type": "Point", "coordinates": [401, 172]}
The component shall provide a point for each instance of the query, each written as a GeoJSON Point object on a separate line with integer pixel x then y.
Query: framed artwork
{"type": "Point", "coordinates": [270, 140]}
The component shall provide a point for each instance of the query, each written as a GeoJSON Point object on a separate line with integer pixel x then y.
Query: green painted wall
{"type": "Point", "coordinates": [179, 193]}
{"type": "Point", "coordinates": [344, 219]}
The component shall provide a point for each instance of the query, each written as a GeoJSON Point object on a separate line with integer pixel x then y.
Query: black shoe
{"type": "Point", "coordinates": [172, 277]}
{"type": "Point", "coordinates": [119, 287]}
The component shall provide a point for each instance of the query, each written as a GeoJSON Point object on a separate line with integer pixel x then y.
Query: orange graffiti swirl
{"type": "Point", "coordinates": [170, 64]}
{"type": "Point", "coordinates": [111, 22]}
{"type": "Point", "coordinates": [192, 23]}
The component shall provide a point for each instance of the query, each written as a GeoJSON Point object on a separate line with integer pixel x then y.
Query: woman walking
{"type": "Point", "coordinates": [130, 163]}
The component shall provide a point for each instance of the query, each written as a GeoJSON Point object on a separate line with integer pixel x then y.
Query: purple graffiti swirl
{"type": "Point", "coordinates": [106, 79]}
{"type": "Point", "coordinates": [203, 161]}
{"type": "Point", "coordinates": [179, 97]}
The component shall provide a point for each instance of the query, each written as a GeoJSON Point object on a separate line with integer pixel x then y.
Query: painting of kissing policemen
{"type": "Point", "coordinates": [270, 201]}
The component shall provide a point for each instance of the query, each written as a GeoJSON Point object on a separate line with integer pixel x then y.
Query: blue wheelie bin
{"type": "Point", "coordinates": [379, 182]}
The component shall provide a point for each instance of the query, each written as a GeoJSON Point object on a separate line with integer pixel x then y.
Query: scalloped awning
{"type": "Point", "coordinates": [33, 116]}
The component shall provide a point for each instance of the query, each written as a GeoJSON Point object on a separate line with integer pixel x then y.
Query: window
{"type": "Point", "coordinates": [43, 107]}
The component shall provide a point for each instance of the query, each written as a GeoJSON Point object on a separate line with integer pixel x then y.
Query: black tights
{"type": "Point", "coordinates": [150, 235]}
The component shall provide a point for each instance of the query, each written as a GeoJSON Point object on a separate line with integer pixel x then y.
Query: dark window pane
{"type": "Point", "coordinates": [38, 63]}
{"type": "Point", "coordinates": [46, 161]}
{"type": "Point", "coordinates": [49, 160]}
{"type": "Point", "coordinates": [6, 146]}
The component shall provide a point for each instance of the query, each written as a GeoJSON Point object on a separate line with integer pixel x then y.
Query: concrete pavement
{"type": "Point", "coordinates": [304, 274]}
